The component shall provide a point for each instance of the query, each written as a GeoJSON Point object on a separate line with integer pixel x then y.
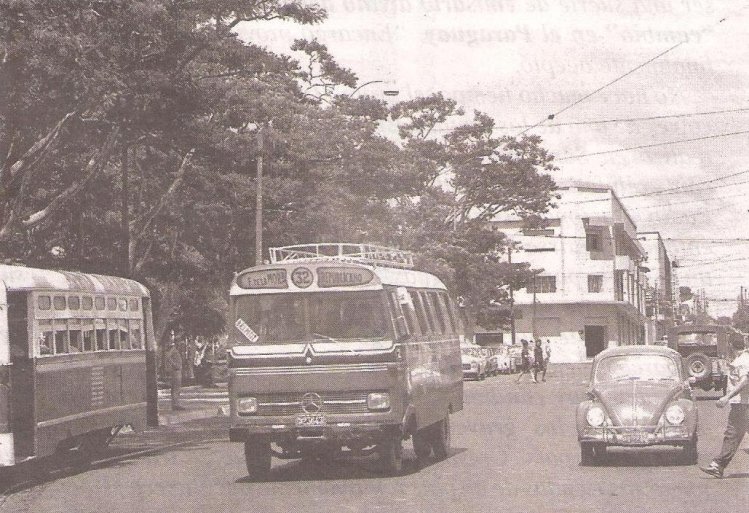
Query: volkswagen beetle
{"type": "Point", "coordinates": [637, 397]}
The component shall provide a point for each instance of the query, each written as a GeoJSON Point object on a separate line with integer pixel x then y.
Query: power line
{"type": "Point", "coordinates": [617, 79]}
{"type": "Point", "coordinates": [621, 120]}
{"type": "Point", "coordinates": [654, 145]}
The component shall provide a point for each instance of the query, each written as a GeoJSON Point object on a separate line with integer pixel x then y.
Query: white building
{"type": "Point", "coordinates": [589, 293]}
{"type": "Point", "coordinates": [659, 305]}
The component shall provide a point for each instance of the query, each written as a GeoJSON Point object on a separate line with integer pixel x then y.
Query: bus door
{"type": "Point", "coordinates": [21, 377]}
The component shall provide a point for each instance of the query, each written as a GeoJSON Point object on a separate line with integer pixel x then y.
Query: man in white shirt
{"type": "Point", "coordinates": [737, 395]}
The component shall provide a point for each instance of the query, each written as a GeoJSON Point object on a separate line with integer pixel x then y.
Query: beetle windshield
{"type": "Point", "coordinates": [331, 316]}
{"type": "Point", "coordinates": [648, 367]}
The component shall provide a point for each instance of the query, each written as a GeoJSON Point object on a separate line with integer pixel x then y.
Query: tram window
{"type": "Point", "coordinates": [123, 305]}
{"type": "Point", "coordinates": [419, 308]}
{"type": "Point", "coordinates": [44, 302]}
{"type": "Point", "coordinates": [114, 339]}
{"type": "Point", "coordinates": [88, 338]}
{"type": "Point", "coordinates": [99, 302]}
{"type": "Point", "coordinates": [135, 339]}
{"type": "Point", "coordinates": [101, 339]}
{"type": "Point", "coordinates": [88, 302]}
{"type": "Point", "coordinates": [111, 303]}
{"type": "Point", "coordinates": [134, 305]}
{"type": "Point", "coordinates": [46, 338]}
{"type": "Point", "coordinates": [124, 335]}
{"type": "Point", "coordinates": [74, 303]}
{"type": "Point", "coordinates": [59, 302]}
{"type": "Point", "coordinates": [75, 335]}
{"type": "Point", "coordinates": [439, 312]}
{"type": "Point", "coordinates": [61, 336]}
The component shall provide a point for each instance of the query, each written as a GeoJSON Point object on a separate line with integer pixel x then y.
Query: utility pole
{"type": "Point", "coordinates": [512, 301]}
{"type": "Point", "coordinates": [259, 200]}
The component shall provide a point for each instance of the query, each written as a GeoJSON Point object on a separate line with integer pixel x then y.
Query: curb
{"type": "Point", "coordinates": [169, 418]}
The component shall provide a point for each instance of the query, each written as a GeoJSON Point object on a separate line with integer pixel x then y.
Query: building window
{"type": "Point", "coordinates": [543, 284]}
{"type": "Point", "coordinates": [595, 283]}
{"type": "Point", "coordinates": [538, 250]}
{"type": "Point", "coordinates": [593, 242]}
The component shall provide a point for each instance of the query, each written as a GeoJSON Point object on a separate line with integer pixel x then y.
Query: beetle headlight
{"type": "Point", "coordinates": [675, 414]}
{"type": "Point", "coordinates": [247, 405]}
{"type": "Point", "coordinates": [595, 416]}
{"type": "Point", "coordinates": [378, 401]}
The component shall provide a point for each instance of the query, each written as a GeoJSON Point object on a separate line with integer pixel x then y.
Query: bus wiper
{"type": "Point", "coordinates": [324, 336]}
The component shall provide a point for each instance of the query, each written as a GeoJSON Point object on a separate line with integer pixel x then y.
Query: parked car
{"type": "Point", "coordinates": [474, 362]}
{"type": "Point", "coordinates": [492, 368]}
{"type": "Point", "coordinates": [637, 397]}
{"type": "Point", "coordinates": [505, 363]}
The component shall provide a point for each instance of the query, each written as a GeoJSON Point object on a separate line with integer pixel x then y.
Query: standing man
{"type": "Point", "coordinates": [547, 357]}
{"type": "Point", "coordinates": [737, 395]}
{"type": "Point", "coordinates": [173, 365]}
{"type": "Point", "coordinates": [539, 362]}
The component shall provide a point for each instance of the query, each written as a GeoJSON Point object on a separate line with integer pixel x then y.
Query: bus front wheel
{"type": "Point", "coordinates": [391, 454]}
{"type": "Point", "coordinates": [257, 455]}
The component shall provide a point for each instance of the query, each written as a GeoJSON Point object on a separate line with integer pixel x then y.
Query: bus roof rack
{"type": "Point", "coordinates": [360, 253]}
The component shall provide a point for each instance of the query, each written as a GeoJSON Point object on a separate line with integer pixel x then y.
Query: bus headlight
{"type": "Point", "coordinates": [675, 414]}
{"type": "Point", "coordinates": [595, 416]}
{"type": "Point", "coordinates": [378, 401]}
{"type": "Point", "coordinates": [246, 405]}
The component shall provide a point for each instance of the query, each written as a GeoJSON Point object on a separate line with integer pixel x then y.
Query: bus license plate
{"type": "Point", "coordinates": [317, 419]}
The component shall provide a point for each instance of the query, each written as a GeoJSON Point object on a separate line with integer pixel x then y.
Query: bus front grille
{"type": "Point", "coordinates": [270, 405]}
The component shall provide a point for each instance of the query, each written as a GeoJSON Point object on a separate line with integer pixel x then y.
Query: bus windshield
{"type": "Point", "coordinates": [329, 316]}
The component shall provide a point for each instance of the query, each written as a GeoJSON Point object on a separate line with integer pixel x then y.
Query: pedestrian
{"type": "Point", "coordinates": [525, 362]}
{"type": "Point", "coordinates": [173, 364]}
{"type": "Point", "coordinates": [547, 357]}
{"type": "Point", "coordinates": [539, 363]}
{"type": "Point", "coordinates": [737, 396]}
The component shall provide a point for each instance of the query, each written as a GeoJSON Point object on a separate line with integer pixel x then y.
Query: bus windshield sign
{"type": "Point", "coordinates": [263, 279]}
{"type": "Point", "coordinates": [343, 276]}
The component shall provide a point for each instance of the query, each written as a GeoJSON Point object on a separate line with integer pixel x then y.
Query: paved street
{"type": "Point", "coordinates": [514, 450]}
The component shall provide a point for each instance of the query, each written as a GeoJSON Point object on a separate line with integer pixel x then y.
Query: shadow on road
{"type": "Point", "coordinates": [643, 458]}
{"type": "Point", "coordinates": [48, 470]}
{"type": "Point", "coordinates": [343, 469]}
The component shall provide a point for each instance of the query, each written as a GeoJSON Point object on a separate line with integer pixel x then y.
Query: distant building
{"type": "Point", "coordinates": [659, 295]}
{"type": "Point", "coordinates": [589, 293]}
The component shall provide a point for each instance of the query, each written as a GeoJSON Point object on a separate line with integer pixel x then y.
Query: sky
{"type": "Point", "coordinates": [585, 61]}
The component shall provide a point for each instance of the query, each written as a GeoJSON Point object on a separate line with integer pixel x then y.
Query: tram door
{"type": "Point", "coordinates": [21, 377]}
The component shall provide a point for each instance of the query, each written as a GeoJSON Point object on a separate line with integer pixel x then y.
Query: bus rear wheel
{"type": "Point", "coordinates": [441, 439]}
{"type": "Point", "coordinates": [257, 455]}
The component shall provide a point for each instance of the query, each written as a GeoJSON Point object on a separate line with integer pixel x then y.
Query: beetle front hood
{"type": "Point", "coordinates": [635, 402]}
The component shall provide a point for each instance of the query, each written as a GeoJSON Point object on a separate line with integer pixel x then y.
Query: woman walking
{"type": "Point", "coordinates": [525, 362]}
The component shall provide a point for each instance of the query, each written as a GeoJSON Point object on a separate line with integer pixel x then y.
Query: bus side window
{"type": "Point", "coordinates": [401, 328]}
{"type": "Point", "coordinates": [114, 334]}
{"type": "Point", "coordinates": [447, 312]}
{"type": "Point", "coordinates": [124, 334]}
{"type": "Point", "coordinates": [429, 314]}
{"type": "Point", "coordinates": [420, 313]}
{"type": "Point", "coordinates": [439, 312]}
{"type": "Point", "coordinates": [46, 338]}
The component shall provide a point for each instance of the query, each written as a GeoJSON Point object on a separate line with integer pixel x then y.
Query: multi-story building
{"type": "Point", "coordinates": [659, 304]}
{"type": "Point", "coordinates": [588, 292]}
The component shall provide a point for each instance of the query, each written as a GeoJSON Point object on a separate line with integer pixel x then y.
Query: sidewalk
{"type": "Point", "coordinates": [200, 402]}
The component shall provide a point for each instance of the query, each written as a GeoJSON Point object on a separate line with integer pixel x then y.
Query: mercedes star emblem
{"type": "Point", "coordinates": [311, 402]}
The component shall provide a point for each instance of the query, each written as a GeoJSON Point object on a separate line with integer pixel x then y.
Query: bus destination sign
{"type": "Point", "coordinates": [263, 279]}
{"type": "Point", "coordinates": [343, 276]}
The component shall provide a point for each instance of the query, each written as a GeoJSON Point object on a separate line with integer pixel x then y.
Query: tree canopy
{"type": "Point", "coordinates": [129, 140]}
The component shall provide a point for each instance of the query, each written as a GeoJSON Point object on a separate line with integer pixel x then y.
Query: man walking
{"type": "Point", "coordinates": [525, 362]}
{"type": "Point", "coordinates": [737, 395]}
{"type": "Point", "coordinates": [547, 357]}
{"type": "Point", "coordinates": [173, 365]}
{"type": "Point", "coordinates": [539, 362]}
